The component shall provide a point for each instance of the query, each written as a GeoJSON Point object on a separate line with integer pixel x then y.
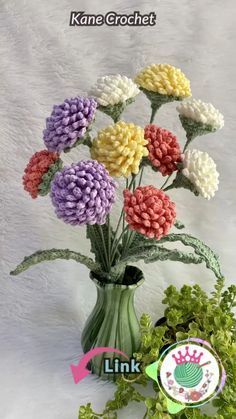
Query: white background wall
{"type": "Point", "coordinates": [43, 61]}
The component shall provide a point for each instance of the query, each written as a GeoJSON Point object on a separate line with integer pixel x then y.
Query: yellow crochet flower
{"type": "Point", "coordinates": [165, 80]}
{"type": "Point", "coordinates": [120, 147]}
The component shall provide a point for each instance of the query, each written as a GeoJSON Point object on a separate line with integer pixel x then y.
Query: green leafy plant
{"type": "Point", "coordinates": [189, 312]}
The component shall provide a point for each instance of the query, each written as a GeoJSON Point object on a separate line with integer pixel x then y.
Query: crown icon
{"type": "Point", "coordinates": [183, 359]}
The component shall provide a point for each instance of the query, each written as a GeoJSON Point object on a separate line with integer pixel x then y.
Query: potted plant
{"type": "Point", "coordinates": [189, 312]}
{"type": "Point", "coordinates": [84, 193]}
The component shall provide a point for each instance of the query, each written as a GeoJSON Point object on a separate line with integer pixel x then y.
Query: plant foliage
{"type": "Point", "coordinates": [189, 312]}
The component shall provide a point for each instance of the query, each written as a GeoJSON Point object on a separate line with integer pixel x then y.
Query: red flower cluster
{"type": "Point", "coordinates": [36, 168]}
{"type": "Point", "coordinates": [149, 211]}
{"type": "Point", "coordinates": [164, 149]}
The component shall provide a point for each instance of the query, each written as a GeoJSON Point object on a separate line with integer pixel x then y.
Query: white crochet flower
{"type": "Point", "coordinates": [200, 169]}
{"type": "Point", "coordinates": [114, 89]}
{"type": "Point", "coordinates": [202, 112]}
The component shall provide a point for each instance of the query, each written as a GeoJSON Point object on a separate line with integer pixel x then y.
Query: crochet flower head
{"type": "Point", "coordinates": [164, 149]}
{"type": "Point", "coordinates": [39, 172]}
{"type": "Point", "coordinates": [68, 123]}
{"type": "Point", "coordinates": [113, 93]}
{"type": "Point", "coordinates": [120, 147]}
{"type": "Point", "coordinates": [163, 83]}
{"type": "Point", "coordinates": [200, 171]}
{"type": "Point", "coordinates": [199, 118]}
{"type": "Point", "coordinates": [114, 89]}
{"type": "Point", "coordinates": [149, 211]}
{"type": "Point", "coordinates": [165, 80]}
{"type": "Point", "coordinates": [83, 193]}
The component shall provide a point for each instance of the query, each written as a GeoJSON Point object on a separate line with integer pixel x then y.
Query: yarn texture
{"type": "Point", "coordinates": [114, 89]}
{"type": "Point", "coordinates": [149, 211]}
{"type": "Point", "coordinates": [164, 149]}
{"type": "Point", "coordinates": [120, 147]}
{"type": "Point", "coordinates": [68, 122]}
{"type": "Point", "coordinates": [202, 112]}
{"type": "Point", "coordinates": [165, 80]}
{"type": "Point", "coordinates": [83, 193]}
{"type": "Point", "coordinates": [200, 169]}
{"type": "Point", "coordinates": [40, 164]}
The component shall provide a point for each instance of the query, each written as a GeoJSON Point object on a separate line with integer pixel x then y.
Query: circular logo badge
{"type": "Point", "coordinates": [190, 373]}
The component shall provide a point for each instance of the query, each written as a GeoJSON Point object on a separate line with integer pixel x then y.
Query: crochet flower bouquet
{"type": "Point", "coordinates": [84, 193]}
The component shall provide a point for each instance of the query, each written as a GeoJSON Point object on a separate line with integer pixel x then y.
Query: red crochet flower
{"type": "Point", "coordinates": [149, 211]}
{"type": "Point", "coordinates": [164, 149]}
{"type": "Point", "coordinates": [36, 168]}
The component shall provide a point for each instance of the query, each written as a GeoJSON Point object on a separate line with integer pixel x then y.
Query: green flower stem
{"type": "Point", "coordinates": [172, 186]}
{"type": "Point", "coordinates": [190, 138]}
{"type": "Point", "coordinates": [194, 129]}
{"type": "Point", "coordinates": [117, 243]}
{"type": "Point", "coordinates": [104, 248]}
{"type": "Point", "coordinates": [109, 240]}
{"type": "Point", "coordinates": [157, 100]}
{"type": "Point", "coordinates": [141, 175]}
{"type": "Point", "coordinates": [155, 108]}
{"type": "Point", "coordinates": [123, 220]}
{"type": "Point", "coordinates": [132, 183]}
{"type": "Point", "coordinates": [100, 251]}
{"type": "Point", "coordinates": [131, 234]}
{"type": "Point", "coordinates": [126, 237]}
{"type": "Point", "coordinates": [118, 224]}
{"type": "Point", "coordinates": [128, 242]}
{"type": "Point", "coordinates": [122, 234]}
{"type": "Point", "coordinates": [166, 181]}
{"type": "Point", "coordinates": [180, 181]}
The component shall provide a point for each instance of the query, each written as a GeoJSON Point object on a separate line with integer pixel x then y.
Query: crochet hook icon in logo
{"type": "Point", "coordinates": [189, 373]}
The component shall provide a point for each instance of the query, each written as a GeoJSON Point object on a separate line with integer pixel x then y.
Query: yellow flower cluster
{"type": "Point", "coordinates": [165, 80]}
{"type": "Point", "coordinates": [120, 147]}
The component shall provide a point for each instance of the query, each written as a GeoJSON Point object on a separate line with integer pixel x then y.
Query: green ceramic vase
{"type": "Point", "coordinates": [113, 321]}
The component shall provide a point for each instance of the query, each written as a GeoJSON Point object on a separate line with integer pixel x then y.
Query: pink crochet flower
{"type": "Point", "coordinates": [149, 211]}
{"type": "Point", "coordinates": [164, 149]}
{"type": "Point", "coordinates": [38, 165]}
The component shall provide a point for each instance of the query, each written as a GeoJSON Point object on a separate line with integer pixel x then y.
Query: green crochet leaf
{"type": "Point", "coordinates": [52, 254]}
{"type": "Point", "coordinates": [174, 255]}
{"type": "Point", "coordinates": [150, 251]}
{"type": "Point", "coordinates": [153, 253]}
{"type": "Point", "coordinates": [45, 185]}
{"type": "Point", "coordinates": [210, 258]}
{"type": "Point", "coordinates": [95, 241]}
{"type": "Point", "coordinates": [115, 111]}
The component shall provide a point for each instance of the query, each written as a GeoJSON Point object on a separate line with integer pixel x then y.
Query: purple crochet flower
{"type": "Point", "coordinates": [68, 122]}
{"type": "Point", "coordinates": [83, 193]}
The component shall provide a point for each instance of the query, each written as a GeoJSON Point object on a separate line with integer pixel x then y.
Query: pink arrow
{"type": "Point", "coordinates": [80, 371]}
